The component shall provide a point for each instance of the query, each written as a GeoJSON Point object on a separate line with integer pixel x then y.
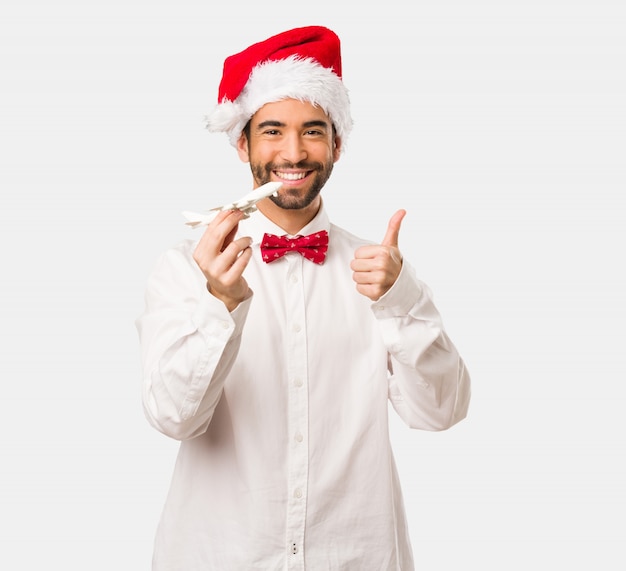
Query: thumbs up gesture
{"type": "Point", "coordinates": [376, 268]}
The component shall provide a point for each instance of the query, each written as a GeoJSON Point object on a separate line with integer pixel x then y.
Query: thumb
{"type": "Point", "coordinates": [393, 229]}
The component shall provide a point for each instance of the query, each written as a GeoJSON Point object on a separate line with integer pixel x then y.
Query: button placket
{"type": "Point", "coordinates": [297, 414]}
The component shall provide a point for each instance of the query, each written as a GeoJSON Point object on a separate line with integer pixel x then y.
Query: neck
{"type": "Point", "coordinates": [291, 221]}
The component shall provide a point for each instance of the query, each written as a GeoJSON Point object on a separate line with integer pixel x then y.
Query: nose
{"type": "Point", "coordinates": [293, 149]}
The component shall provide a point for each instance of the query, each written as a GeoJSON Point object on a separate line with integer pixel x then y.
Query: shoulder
{"type": "Point", "coordinates": [177, 258]}
{"type": "Point", "coordinates": [183, 250]}
{"type": "Point", "coordinates": [341, 236]}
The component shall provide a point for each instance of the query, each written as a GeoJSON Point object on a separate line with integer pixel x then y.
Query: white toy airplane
{"type": "Point", "coordinates": [247, 204]}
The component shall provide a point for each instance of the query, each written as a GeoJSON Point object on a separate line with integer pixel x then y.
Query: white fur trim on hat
{"type": "Point", "coordinates": [290, 78]}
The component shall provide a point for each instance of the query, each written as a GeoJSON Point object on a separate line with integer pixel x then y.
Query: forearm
{"type": "Point", "coordinates": [188, 341]}
{"type": "Point", "coordinates": [429, 385]}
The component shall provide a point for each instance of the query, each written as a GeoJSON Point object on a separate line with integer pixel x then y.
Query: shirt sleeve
{"type": "Point", "coordinates": [429, 385]}
{"type": "Point", "coordinates": [188, 342]}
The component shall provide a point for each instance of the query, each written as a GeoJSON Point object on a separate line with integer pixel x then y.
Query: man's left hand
{"type": "Point", "coordinates": [376, 268]}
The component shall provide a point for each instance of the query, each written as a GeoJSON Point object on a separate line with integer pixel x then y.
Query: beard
{"type": "Point", "coordinates": [292, 198]}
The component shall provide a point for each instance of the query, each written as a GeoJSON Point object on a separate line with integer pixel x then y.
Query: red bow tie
{"type": "Point", "coordinates": [312, 247]}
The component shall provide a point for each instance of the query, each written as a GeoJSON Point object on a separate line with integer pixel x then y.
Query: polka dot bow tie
{"type": "Point", "coordinates": [313, 247]}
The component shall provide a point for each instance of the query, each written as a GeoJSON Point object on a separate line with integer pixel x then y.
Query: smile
{"type": "Point", "coordinates": [291, 175]}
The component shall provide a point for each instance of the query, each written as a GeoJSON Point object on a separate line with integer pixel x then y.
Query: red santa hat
{"type": "Point", "coordinates": [303, 63]}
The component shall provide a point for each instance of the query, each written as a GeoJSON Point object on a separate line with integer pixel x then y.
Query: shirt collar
{"type": "Point", "coordinates": [257, 225]}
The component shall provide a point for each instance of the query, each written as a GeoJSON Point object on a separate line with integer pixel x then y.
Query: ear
{"type": "Point", "coordinates": [336, 148]}
{"type": "Point", "coordinates": [242, 148]}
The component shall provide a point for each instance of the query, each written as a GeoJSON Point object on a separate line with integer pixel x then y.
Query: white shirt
{"type": "Point", "coordinates": [281, 408]}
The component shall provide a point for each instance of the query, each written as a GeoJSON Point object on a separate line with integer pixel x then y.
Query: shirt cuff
{"type": "Point", "coordinates": [406, 292]}
{"type": "Point", "coordinates": [213, 317]}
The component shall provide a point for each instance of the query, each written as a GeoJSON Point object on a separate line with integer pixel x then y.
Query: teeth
{"type": "Point", "coordinates": [291, 176]}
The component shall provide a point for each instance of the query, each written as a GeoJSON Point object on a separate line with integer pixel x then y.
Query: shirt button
{"type": "Point", "coordinates": [293, 279]}
{"type": "Point", "coordinates": [298, 383]}
{"type": "Point", "coordinates": [225, 325]}
{"type": "Point", "coordinates": [297, 493]}
{"type": "Point", "coordinates": [296, 328]}
{"type": "Point", "coordinates": [299, 437]}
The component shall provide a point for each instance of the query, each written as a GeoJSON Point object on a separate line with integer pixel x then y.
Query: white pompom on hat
{"type": "Point", "coordinates": [303, 63]}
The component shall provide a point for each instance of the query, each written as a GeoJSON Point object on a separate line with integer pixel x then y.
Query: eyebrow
{"type": "Point", "coordinates": [306, 124]}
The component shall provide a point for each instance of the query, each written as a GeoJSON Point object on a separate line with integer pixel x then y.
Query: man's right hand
{"type": "Point", "coordinates": [223, 259]}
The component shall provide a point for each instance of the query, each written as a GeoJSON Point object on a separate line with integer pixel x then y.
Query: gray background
{"type": "Point", "coordinates": [499, 126]}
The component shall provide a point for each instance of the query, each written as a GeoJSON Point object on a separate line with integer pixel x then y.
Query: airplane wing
{"type": "Point", "coordinates": [246, 204]}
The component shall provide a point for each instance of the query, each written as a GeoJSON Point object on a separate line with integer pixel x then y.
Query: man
{"type": "Point", "coordinates": [275, 369]}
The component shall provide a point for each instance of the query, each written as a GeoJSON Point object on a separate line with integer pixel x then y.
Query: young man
{"type": "Point", "coordinates": [274, 362]}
